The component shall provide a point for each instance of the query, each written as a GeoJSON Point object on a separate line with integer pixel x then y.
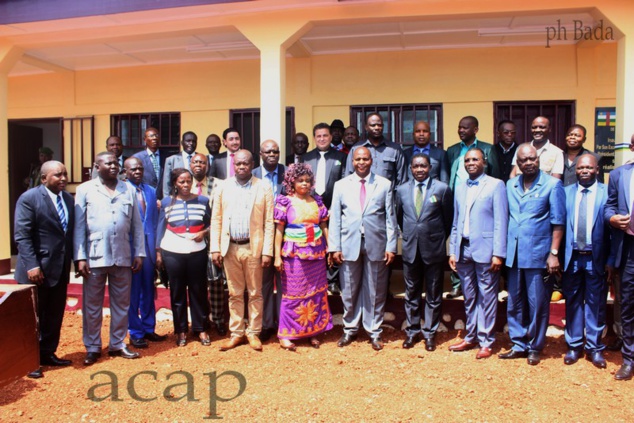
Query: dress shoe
{"type": "Point", "coordinates": [513, 354]}
{"type": "Point", "coordinates": [462, 346]}
{"type": "Point", "coordinates": [454, 293]}
{"type": "Point", "coordinates": [597, 359]}
{"type": "Point", "coordinates": [232, 342]}
{"type": "Point", "coordinates": [181, 339]}
{"type": "Point", "coordinates": [572, 356]}
{"type": "Point", "coordinates": [124, 353]}
{"type": "Point", "coordinates": [334, 288]}
{"type": "Point", "coordinates": [53, 360]}
{"type": "Point", "coordinates": [139, 343]}
{"type": "Point", "coordinates": [410, 341]}
{"type": "Point", "coordinates": [91, 358]}
{"type": "Point", "coordinates": [221, 329]}
{"type": "Point", "coordinates": [533, 358]}
{"type": "Point", "coordinates": [484, 352]}
{"type": "Point", "coordinates": [616, 345]}
{"type": "Point", "coordinates": [430, 344]}
{"type": "Point", "coordinates": [204, 339]}
{"type": "Point", "coordinates": [346, 339]}
{"type": "Point", "coordinates": [287, 345]}
{"type": "Point", "coordinates": [36, 374]}
{"type": "Point", "coordinates": [314, 342]}
{"type": "Point", "coordinates": [154, 337]}
{"type": "Point", "coordinates": [254, 342]}
{"type": "Point", "coordinates": [266, 334]}
{"type": "Point", "coordinates": [377, 343]}
{"type": "Point", "coordinates": [624, 373]}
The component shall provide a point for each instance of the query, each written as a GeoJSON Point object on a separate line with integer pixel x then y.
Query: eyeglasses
{"type": "Point", "coordinates": [270, 151]}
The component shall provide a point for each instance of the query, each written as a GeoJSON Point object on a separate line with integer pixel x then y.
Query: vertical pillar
{"type": "Point", "coordinates": [624, 97]}
{"type": "Point", "coordinates": [9, 55]}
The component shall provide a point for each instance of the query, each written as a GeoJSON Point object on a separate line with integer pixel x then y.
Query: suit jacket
{"type": "Point", "coordinates": [261, 228]}
{"type": "Point", "coordinates": [619, 202]}
{"type": "Point", "coordinates": [453, 153]}
{"type": "Point", "coordinates": [439, 163]}
{"type": "Point", "coordinates": [290, 159]}
{"type": "Point", "coordinates": [376, 218]}
{"type": "Point", "coordinates": [335, 168]}
{"type": "Point", "coordinates": [281, 190]}
{"type": "Point", "coordinates": [488, 220]}
{"type": "Point", "coordinates": [427, 233]}
{"type": "Point", "coordinates": [149, 177]}
{"type": "Point", "coordinates": [149, 221]}
{"type": "Point", "coordinates": [40, 237]}
{"type": "Point", "coordinates": [531, 216]}
{"type": "Point", "coordinates": [172, 162]}
{"type": "Point", "coordinates": [600, 229]}
{"type": "Point", "coordinates": [218, 168]}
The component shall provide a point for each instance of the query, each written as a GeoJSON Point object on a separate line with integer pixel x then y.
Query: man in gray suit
{"type": "Point", "coordinates": [424, 210]}
{"type": "Point", "coordinates": [477, 250]}
{"type": "Point", "coordinates": [180, 160]}
{"type": "Point", "coordinates": [438, 157]}
{"type": "Point", "coordinates": [362, 239]}
{"type": "Point", "coordinates": [108, 228]}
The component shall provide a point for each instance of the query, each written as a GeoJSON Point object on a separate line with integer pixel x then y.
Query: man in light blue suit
{"type": "Point", "coordinates": [142, 313]}
{"type": "Point", "coordinates": [424, 209]}
{"type": "Point", "coordinates": [587, 250]}
{"type": "Point", "coordinates": [618, 211]}
{"type": "Point", "coordinates": [477, 250]}
{"type": "Point", "coordinates": [362, 239]}
{"type": "Point", "coordinates": [537, 215]}
{"type": "Point", "coordinates": [180, 160]}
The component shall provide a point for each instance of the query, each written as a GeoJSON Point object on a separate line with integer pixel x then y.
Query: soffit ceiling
{"type": "Point", "coordinates": [331, 37]}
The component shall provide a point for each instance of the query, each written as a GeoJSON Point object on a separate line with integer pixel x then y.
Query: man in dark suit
{"type": "Point", "coordinates": [438, 157]}
{"type": "Point", "coordinates": [299, 146]}
{"type": "Point", "coordinates": [587, 250]}
{"type": "Point", "coordinates": [44, 222]}
{"type": "Point", "coordinates": [618, 211]}
{"type": "Point", "coordinates": [152, 160]}
{"type": "Point", "coordinates": [182, 159]}
{"type": "Point", "coordinates": [273, 173]}
{"type": "Point", "coordinates": [115, 146]}
{"type": "Point", "coordinates": [222, 166]}
{"type": "Point", "coordinates": [504, 150]}
{"type": "Point", "coordinates": [213, 145]}
{"type": "Point", "coordinates": [142, 313]}
{"type": "Point", "coordinates": [327, 163]}
{"type": "Point", "coordinates": [424, 211]}
{"type": "Point", "coordinates": [477, 250]}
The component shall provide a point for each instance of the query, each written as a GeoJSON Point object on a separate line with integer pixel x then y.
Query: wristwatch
{"type": "Point", "coordinates": [554, 252]}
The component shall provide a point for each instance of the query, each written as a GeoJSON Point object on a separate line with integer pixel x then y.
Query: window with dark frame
{"type": "Point", "coordinates": [131, 128]}
{"type": "Point", "coordinates": [561, 113]}
{"type": "Point", "coordinates": [399, 120]}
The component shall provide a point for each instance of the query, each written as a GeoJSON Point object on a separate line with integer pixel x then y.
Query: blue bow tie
{"type": "Point", "coordinates": [471, 183]}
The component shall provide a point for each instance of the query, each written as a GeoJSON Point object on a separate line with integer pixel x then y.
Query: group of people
{"type": "Point", "coordinates": [280, 234]}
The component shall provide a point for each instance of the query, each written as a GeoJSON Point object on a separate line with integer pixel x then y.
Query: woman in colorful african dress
{"type": "Point", "coordinates": [300, 257]}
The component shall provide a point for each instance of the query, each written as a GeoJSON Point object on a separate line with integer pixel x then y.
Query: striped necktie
{"type": "Point", "coordinates": [61, 213]}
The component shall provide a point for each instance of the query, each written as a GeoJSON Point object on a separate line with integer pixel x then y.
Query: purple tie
{"type": "Point", "coordinates": [362, 194]}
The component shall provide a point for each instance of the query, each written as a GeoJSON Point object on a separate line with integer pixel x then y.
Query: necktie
{"type": "Point", "coordinates": [471, 183]}
{"type": "Point", "coordinates": [232, 171]}
{"type": "Point", "coordinates": [199, 185]}
{"type": "Point", "coordinates": [582, 225]}
{"type": "Point", "coordinates": [320, 185]}
{"type": "Point", "coordinates": [60, 212]}
{"type": "Point", "coordinates": [155, 164]}
{"type": "Point", "coordinates": [362, 194]}
{"type": "Point", "coordinates": [140, 200]}
{"type": "Point", "coordinates": [189, 161]}
{"type": "Point", "coordinates": [418, 199]}
{"type": "Point", "coordinates": [271, 178]}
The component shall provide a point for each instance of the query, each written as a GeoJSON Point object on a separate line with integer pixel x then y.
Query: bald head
{"type": "Point", "coordinates": [243, 165]}
{"type": "Point", "coordinates": [270, 154]}
{"type": "Point", "coordinates": [362, 161]}
{"type": "Point", "coordinates": [134, 170]}
{"type": "Point", "coordinates": [54, 176]}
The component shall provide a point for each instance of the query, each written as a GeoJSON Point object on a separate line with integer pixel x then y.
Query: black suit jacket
{"type": "Point", "coordinates": [335, 168]}
{"type": "Point", "coordinates": [40, 237]}
{"type": "Point", "coordinates": [281, 190]}
{"type": "Point", "coordinates": [290, 159]}
{"type": "Point", "coordinates": [218, 167]}
{"type": "Point", "coordinates": [439, 163]}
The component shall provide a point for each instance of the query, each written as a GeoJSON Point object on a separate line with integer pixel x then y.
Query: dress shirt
{"type": "Point", "coordinates": [421, 150]}
{"type": "Point", "coordinates": [157, 171]}
{"type": "Point", "coordinates": [54, 200]}
{"type": "Point", "coordinates": [423, 190]}
{"type": "Point", "coordinates": [387, 161]}
{"type": "Point", "coordinates": [472, 189]}
{"type": "Point", "coordinates": [187, 159]}
{"type": "Point", "coordinates": [272, 179]}
{"type": "Point", "coordinates": [241, 206]}
{"type": "Point", "coordinates": [230, 170]}
{"type": "Point", "coordinates": [592, 196]}
{"type": "Point", "coordinates": [461, 172]}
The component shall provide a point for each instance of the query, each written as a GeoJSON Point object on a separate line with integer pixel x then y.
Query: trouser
{"type": "Point", "coordinates": [142, 313]}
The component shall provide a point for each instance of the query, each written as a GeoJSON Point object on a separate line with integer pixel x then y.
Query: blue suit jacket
{"type": "Point", "coordinates": [619, 202]}
{"type": "Point", "coordinates": [149, 220]}
{"type": "Point", "coordinates": [377, 218]}
{"type": "Point", "coordinates": [600, 230]}
{"type": "Point", "coordinates": [439, 163]}
{"type": "Point", "coordinates": [531, 216]}
{"type": "Point", "coordinates": [488, 220]}
{"type": "Point", "coordinates": [281, 190]}
{"type": "Point", "coordinates": [149, 177]}
{"type": "Point", "coordinates": [40, 237]}
{"type": "Point", "coordinates": [428, 232]}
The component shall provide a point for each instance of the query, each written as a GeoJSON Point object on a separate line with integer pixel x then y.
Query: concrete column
{"type": "Point", "coordinates": [624, 97]}
{"type": "Point", "coordinates": [272, 37]}
{"type": "Point", "coordinates": [9, 55]}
